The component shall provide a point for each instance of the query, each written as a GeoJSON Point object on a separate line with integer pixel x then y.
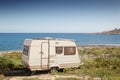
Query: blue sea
{"type": "Point", "coordinates": [14, 41]}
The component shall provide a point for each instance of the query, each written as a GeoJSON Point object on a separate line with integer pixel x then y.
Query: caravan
{"type": "Point", "coordinates": [50, 54]}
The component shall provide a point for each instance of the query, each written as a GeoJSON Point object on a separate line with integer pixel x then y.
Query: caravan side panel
{"type": "Point", "coordinates": [39, 60]}
{"type": "Point", "coordinates": [61, 60]}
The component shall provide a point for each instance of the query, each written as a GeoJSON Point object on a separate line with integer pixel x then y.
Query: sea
{"type": "Point", "coordinates": [14, 41]}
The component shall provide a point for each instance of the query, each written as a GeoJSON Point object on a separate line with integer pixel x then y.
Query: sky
{"type": "Point", "coordinates": [59, 16]}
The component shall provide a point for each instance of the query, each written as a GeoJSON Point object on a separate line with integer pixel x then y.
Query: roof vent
{"type": "Point", "coordinates": [48, 38]}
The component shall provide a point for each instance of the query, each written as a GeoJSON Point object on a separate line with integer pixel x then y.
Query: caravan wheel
{"type": "Point", "coordinates": [54, 70]}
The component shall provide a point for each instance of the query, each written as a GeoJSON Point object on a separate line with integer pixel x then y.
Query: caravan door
{"type": "Point", "coordinates": [44, 55]}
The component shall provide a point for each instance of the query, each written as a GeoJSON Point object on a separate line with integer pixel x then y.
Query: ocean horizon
{"type": "Point", "coordinates": [14, 41]}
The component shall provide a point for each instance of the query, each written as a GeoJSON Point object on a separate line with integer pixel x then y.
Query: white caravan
{"type": "Point", "coordinates": [50, 54]}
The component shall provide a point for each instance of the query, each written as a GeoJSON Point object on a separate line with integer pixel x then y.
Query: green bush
{"type": "Point", "coordinates": [11, 60]}
{"type": "Point", "coordinates": [6, 63]}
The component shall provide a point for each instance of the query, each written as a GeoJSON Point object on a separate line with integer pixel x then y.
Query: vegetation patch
{"type": "Point", "coordinates": [103, 63]}
{"type": "Point", "coordinates": [10, 60]}
{"type": "Point", "coordinates": [99, 51]}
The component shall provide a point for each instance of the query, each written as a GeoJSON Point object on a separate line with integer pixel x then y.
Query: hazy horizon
{"type": "Point", "coordinates": [59, 16]}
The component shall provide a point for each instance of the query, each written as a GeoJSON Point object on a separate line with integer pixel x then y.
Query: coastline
{"type": "Point", "coordinates": [10, 51]}
{"type": "Point", "coordinates": [99, 46]}
{"type": "Point", "coordinates": [90, 46]}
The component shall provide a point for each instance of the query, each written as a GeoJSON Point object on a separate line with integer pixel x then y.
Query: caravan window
{"type": "Point", "coordinates": [59, 50]}
{"type": "Point", "coordinates": [69, 50]}
{"type": "Point", "coordinates": [25, 50]}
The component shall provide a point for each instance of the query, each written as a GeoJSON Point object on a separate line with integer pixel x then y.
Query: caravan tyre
{"type": "Point", "coordinates": [54, 70]}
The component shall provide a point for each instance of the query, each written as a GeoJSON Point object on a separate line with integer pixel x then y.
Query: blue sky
{"type": "Point", "coordinates": [59, 16]}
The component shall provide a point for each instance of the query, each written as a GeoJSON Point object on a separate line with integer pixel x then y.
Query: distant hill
{"type": "Point", "coordinates": [115, 31]}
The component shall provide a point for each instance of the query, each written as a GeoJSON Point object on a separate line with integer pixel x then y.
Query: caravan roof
{"type": "Point", "coordinates": [50, 38]}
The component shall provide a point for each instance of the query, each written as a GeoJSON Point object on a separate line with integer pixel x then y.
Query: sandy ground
{"type": "Point", "coordinates": [49, 77]}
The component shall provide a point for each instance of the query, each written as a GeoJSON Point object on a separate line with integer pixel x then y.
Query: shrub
{"type": "Point", "coordinates": [6, 63]}
{"type": "Point", "coordinates": [11, 60]}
